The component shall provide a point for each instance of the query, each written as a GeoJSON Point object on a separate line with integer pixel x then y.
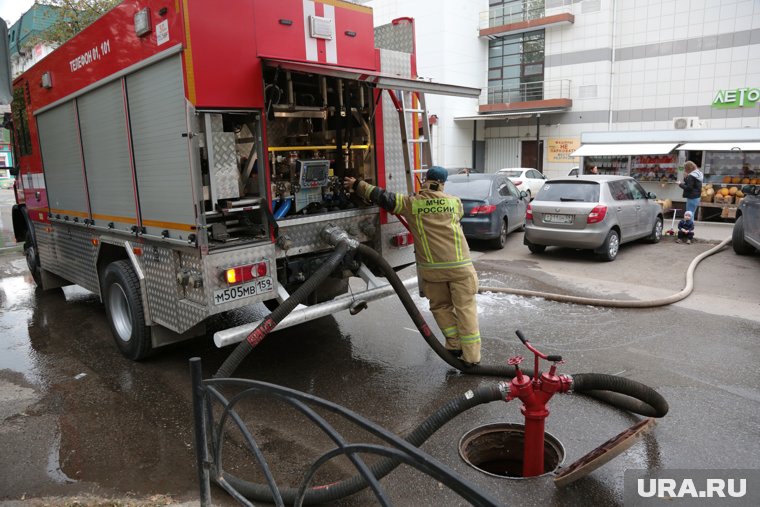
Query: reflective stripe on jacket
{"type": "Point", "coordinates": [433, 216]}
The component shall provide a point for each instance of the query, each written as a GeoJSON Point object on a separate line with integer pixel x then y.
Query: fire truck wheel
{"type": "Point", "coordinates": [124, 309]}
{"type": "Point", "coordinates": [32, 258]}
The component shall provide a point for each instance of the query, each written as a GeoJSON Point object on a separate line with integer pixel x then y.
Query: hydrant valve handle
{"type": "Point", "coordinates": [515, 360]}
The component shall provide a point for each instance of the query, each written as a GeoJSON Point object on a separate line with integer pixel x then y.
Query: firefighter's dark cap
{"type": "Point", "coordinates": [437, 173]}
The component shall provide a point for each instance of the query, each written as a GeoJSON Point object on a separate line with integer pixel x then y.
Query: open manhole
{"type": "Point", "coordinates": [497, 449]}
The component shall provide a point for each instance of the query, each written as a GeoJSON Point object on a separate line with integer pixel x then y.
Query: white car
{"type": "Point", "coordinates": [526, 179]}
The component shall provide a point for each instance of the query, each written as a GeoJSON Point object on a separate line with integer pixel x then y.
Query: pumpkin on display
{"type": "Point", "coordinates": [745, 181]}
{"type": "Point", "coordinates": [739, 194]}
{"type": "Point", "coordinates": [726, 179]}
{"type": "Point", "coordinates": [735, 179]}
{"type": "Point", "coordinates": [723, 191]}
{"type": "Point", "coordinates": [732, 191]}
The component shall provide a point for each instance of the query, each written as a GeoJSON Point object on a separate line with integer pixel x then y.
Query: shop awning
{"type": "Point", "coordinates": [380, 80]}
{"type": "Point", "coordinates": [739, 146]}
{"type": "Point", "coordinates": [624, 149]}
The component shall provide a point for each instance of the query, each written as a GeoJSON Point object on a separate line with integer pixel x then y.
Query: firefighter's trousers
{"type": "Point", "coordinates": [455, 309]}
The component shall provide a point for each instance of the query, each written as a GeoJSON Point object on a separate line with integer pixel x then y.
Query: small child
{"type": "Point", "coordinates": [686, 228]}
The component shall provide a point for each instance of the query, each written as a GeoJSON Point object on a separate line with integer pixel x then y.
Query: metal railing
{"type": "Point", "coordinates": [513, 13]}
{"type": "Point", "coordinates": [526, 92]}
{"type": "Point", "coordinates": [211, 434]}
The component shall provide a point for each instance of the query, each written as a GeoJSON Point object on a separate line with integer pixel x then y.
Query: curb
{"type": "Point", "coordinates": [11, 249]}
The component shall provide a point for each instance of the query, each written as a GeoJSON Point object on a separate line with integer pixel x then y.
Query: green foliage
{"type": "Point", "coordinates": [73, 17]}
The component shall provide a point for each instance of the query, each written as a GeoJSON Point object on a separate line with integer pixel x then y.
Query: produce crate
{"type": "Point", "coordinates": [728, 212]}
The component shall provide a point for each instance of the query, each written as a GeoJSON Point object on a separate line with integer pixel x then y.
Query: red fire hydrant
{"type": "Point", "coordinates": [535, 393]}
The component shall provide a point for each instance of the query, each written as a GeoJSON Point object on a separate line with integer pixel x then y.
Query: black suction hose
{"type": "Point", "coordinates": [331, 492]}
{"type": "Point", "coordinates": [619, 392]}
{"type": "Point", "coordinates": [282, 311]}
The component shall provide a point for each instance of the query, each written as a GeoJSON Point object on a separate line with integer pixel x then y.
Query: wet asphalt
{"type": "Point", "coordinates": [77, 418]}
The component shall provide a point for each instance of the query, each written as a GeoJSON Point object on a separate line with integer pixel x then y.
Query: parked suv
{"type": "Point", "coordinates": [746, 235]}
{"type": "Point", "coordinates": [598, 213]}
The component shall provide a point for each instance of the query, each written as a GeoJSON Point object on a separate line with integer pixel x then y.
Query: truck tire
{"type": "Point", "coordinates": [32, 258]}
{"type": "Point", "coordinates": [124, 310]}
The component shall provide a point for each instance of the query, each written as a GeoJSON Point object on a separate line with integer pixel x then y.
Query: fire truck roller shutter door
{"type": "Point", "coordinates": [62, 160]}
{"type": "Point", "coordinates": [105, 146]}
{"type": "Point", "coordinates": [158, 117]}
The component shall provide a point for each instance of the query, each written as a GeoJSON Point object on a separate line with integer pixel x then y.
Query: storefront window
{"type": "Point", "coordinates": [740, 167]}
{"type": "Point", "coordinates": [610, 164]}
{"type": "Point", "coordinates": [660, 168]}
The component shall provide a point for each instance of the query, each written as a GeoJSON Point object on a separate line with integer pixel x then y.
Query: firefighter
{"type": "Point", "coordinates": [442, 255]}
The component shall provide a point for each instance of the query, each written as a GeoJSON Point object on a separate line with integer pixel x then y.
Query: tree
{"type": "Point", "coordinates": [73, 17]}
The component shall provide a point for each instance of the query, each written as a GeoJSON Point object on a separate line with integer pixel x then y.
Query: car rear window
{"type": "Point", "coordinates": [511, 174]}
{"type": "Point", "coordinates": [469, 189]}
{"type": "Point", "coordinates": [580, 191]}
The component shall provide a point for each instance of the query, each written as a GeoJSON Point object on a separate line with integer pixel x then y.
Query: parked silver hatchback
{"type": "Point", "coordinates": [592, 212]}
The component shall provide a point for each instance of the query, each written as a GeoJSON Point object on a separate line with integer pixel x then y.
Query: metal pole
{"type": "Point", "coordinates": [201, 444]}
{"type": "Point", "coordinates": [539, 165]}
{"type": "Point", "coordinates": [474, 144]}
{"type": "Point", "coordinates": [300, 315]}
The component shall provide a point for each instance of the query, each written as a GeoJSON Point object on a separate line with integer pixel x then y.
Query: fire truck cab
{"type": "Point", "coordinates": [181, 158]}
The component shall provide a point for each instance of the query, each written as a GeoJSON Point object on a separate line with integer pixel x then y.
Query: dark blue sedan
{"type": "Point", "coordinates": [493, 206]}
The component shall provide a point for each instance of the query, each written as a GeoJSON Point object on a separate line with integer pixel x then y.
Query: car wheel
{"type": "Point", "coordinates": [124, 310]}
{"type": "Point", "coordinates": [32, 258]}
{"type": "Point", "coordinates": [501, 240]}
{"type": "Point", "coordinates": [656, 235]}
{"type": "Point", "coordinates": [741, 247]}
{"type": "Point", "coordinates": [610, 248]}
{"type": "Point", "coordinates": [536, 249]}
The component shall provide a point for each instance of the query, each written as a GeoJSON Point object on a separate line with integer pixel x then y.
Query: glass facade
{"type": "Point", "coordinates": [516, 68]}
{"type": "Point", "coordinates": [505, 12]}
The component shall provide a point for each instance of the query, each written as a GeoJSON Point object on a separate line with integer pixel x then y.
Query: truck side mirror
{"type": "Point", "coordinates": [14, 171]}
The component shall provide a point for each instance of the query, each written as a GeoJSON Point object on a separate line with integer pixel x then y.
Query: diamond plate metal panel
{"type": "Point", "coordinates": [215, 263]}
{"type": "Point", "coordinates": [192, 261]}
{"type": "Point", "coordinates": [160, 266]}
{"type": "Point", "coordinates": [396, 63]}
{"type": "Point", "coordinates": [226, 172]}
{"type": "Point", "coordinates": [304, 233]}
{"type": "Point", "coordinates": [399, 37]}
{"type": "Point", "coordinates": [67, 251]}
{"type": "Point", "coordinates": [395, 256]}
{"type": "Point", "coordinates": [45, 246]}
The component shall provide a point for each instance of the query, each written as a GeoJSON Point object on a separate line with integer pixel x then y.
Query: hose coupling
{"type": "Point", "coordinates": [503, 388]}
{"type": "Point", "coordinates": [566, 382]}
{"type": "Point", "coordinates": [333, 235]}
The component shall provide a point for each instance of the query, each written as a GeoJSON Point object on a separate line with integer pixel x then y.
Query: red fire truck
{"type": "Point", "coordinates": [181, 158]}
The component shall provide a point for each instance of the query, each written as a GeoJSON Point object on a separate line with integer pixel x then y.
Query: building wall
{"type": "Point", "coordinates": [631, 64]}
{"type": "Point", "coordinates": [449, 51]}
{"type": "Point", "coordinates": [25, 51]}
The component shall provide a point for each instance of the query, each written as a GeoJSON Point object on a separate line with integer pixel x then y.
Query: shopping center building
{"type": "Point", "coordinates": [554, 71]}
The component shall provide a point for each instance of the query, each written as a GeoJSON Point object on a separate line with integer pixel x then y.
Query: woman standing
{"type": "Point", "coordinates": [692, 186]}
